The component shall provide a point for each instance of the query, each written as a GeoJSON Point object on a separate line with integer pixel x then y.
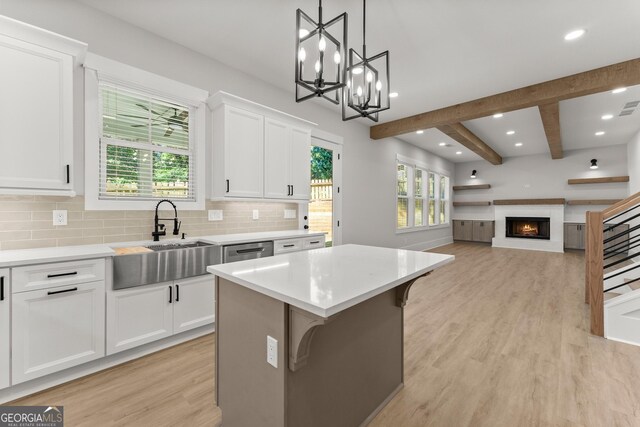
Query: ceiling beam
{"type": "Point", "coordinates": [550, 115]}
{"type": "Point", "coordinates": [589, 82]}
{"type": "Point", "coordinates": [467, 138]}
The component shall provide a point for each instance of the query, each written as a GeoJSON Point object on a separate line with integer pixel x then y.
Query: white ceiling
{"type": "Point", "coordinates": [442, 52]}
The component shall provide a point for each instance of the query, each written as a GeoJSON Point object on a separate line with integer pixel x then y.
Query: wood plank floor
{"type": "Point", "coordinates": [498, 338]}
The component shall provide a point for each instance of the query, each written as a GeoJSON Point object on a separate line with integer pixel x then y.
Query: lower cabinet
{"type": "Point", "coordinates": [295, 245]}
{"type": "Point", "coordinates": [5, 335]}
{"type": "Point", "coordinates": [473, 230]}
{"type": "Point", "coordinates": [56, 328]}
{"type": "Point", "coordinates": [574, 235]}
{"type": "Point", "coordinates": [145, 314]}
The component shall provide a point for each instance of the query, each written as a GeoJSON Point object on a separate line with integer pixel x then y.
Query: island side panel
{"type": "Point", "coordinates": [355, 365]}
{"type": "Point", "coordinates": [250, 391]}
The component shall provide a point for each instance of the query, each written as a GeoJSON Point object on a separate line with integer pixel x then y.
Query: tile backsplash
{"type": "Point", "coordinates": [26, 222]}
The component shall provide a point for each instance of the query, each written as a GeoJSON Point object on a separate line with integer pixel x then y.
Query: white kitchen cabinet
{"type": "Point", "coordinates": [194, 304]}
{"type": "Point", "coordinates": [5, 328]}
{"type": "Point", "coordinates": [56, 328]}
{"type": "Point", "coordinates": [144, 314]}
{"type": "Point", "coordinates": [286, 161]}
{"type": "Point", "coordinates": [238, 144]}
{"type": "Point", "coordinates": [138, 316]}
{"type": "Point", "coordinates": [299, 244]}
{"type": "Point", "coordinates": [36, 83]}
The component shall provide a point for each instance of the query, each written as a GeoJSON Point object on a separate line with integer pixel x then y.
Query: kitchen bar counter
{"type": "Point", "coordinates": [313, 338]}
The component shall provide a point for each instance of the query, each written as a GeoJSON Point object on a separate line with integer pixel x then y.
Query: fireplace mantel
{"type": "Point", "coordinates": [555, 213]}
{"type": "Point", "coordinates": [511, 202]}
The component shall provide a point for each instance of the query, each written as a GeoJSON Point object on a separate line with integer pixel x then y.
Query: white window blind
{"type": "Point", "coordinates": [146, 147]}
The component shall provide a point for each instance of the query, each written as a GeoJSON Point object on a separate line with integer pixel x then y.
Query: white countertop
{"type": "Point", "coordinates": [15, 258]}
{"type": "Point", "coordinates": [20, 257]}
{"type": "Point", "coordinates": [328, 280]}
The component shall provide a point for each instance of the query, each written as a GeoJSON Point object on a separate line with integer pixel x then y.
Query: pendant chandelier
{"type": "Point", "coordinates": [320, 54]}
{"type": "Point", "coordinates": [367, 86]}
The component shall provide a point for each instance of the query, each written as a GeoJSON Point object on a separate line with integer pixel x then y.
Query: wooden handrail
{"type": "Point", "coordinates": [594, 274]}
{"type": "Point", "coordinates": [621, 206]}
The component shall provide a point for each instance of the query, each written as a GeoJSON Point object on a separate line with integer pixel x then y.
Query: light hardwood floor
{"type": "Point", "coordinates": [498, 338]}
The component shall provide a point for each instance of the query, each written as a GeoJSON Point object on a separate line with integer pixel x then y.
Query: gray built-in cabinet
{"type": "Point", "coordinates": [473, 230]}
{"type": "Point", "coordinates": [574, 237]}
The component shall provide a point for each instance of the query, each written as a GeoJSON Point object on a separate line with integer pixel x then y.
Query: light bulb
{"type": "Point", "coordinates": [379, 85]}
{"type": "Point", "coordinates": [357, 70]}
{"type": "Point", "coordinates": [359, 91]}
{"type": "Point", "coordinates": [303, 32]}
{"type": "Point", "coordinates": [322, 44]}
{"type": "Point", "coordinates": [369, 77]}
{"type": "Point", "coordinates": [302, 55]}
{"type": "Point", "coordinates": [349, 83]}
{"type": "Point", "coordinates": [336, 57]}
{"type": "Point", "coordinates": [317, 66]}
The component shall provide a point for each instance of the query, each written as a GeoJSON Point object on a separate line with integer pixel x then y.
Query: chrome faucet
{"type": "Point", "coordinates": [159, 229]}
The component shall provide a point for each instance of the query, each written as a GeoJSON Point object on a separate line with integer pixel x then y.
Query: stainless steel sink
{"type": "Point", "coordinates": [167, 262]}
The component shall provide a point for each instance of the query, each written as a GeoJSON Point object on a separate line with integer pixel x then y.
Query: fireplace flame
{"type": "Point", "coordinates": [529, 229]}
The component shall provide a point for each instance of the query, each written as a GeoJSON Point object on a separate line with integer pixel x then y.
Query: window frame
{"type": "Point", "coordinates": [412, 166]}
{"type": "Point", "coordinates": [99, 69]}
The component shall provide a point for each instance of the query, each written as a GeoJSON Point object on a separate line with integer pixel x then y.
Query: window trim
{"type": "Point", "coordinates": [412, 166]}
{"type": "Point", "coordinates": [99, 69]}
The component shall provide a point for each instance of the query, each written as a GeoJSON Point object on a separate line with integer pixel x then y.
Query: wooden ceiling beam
{"type": "Point", "coordinates": [464, 136]}
{"type": "Point", "coordinates": [586, 83]}
{"type": "Point", "coordinates": [550, 115]}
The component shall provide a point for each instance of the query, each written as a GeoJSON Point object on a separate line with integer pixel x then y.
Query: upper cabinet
{"type": "Point", "coordinates": [36, 109]}
{"type": "Point", "coordinates": [258, 152]}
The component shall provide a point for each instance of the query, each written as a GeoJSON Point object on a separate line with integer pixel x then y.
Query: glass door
{"type": "Point", "coordinates": [323, 210]}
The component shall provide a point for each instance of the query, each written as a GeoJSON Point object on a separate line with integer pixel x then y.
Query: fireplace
{"type": "Point", "coordinates": [528, 227]}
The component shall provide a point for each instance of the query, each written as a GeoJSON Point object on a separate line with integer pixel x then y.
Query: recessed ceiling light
{"type": "Point", "coordinates": [619, 90]}
{"type": "Point", "coordinates": [511, 132]}
{"type": "Point", "coordinates": [442, 144]}
{"type": "Point", "coordinates": [458, 152]}
{"type": "Point", "coordinates": [600, 133]}
{"type": "Point", "coordinates": [518, 144]}
{"type": "Point", "coordinates": [393, 94]}
{"type": "Point", "coordinates": [607, 117]}
{"type": "Point", "coordinates": [497, 115]}
{"type": "Point", "coordinates": [419, 132]}
{"type": "Point", "coordinates": [575, 34]}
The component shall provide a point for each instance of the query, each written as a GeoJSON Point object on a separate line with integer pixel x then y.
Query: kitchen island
{"type": "Point", "coordinates": [313, 338]}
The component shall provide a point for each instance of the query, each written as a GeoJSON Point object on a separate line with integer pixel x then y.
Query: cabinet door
{"type": "Point", "coordinates": [300, 163]}
{"type": "Point", "coordinates": [194, 304]}
{"type": "Point", "coordinates": [573, 236]}
{"type": "Point", "coordinates": [243, 153]}
{"type": "Point", "coordinates": [482, 231]}
{"type": "Point", "coordinates": [56, 328]}
{"type": "Point", "coordinates": [5, 343]}
{"type": "Point", "coordinates": [138, 316]}
{"type": "Point", "coordinates": [462, 230]}
{"type": "Point", "coordinates": [277, 143]}
{"type": "Point", "coordinates": [36, 84]}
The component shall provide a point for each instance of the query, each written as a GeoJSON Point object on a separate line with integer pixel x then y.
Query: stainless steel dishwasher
{"type": "Point", "coordinates": [232, 253]}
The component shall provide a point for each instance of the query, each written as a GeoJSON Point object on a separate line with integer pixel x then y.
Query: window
{"type": "Point", "coordinates": [144, 138]}
{"type": "Point", "coordinates": [422, 196]}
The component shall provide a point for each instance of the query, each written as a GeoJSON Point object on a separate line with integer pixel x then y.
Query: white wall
{"type": "Point", "coordinates": [368, 167]}
{"type": "Point", "coordinates": [538, 176]}
{"type": "Point", "coordinates": [633, 160]}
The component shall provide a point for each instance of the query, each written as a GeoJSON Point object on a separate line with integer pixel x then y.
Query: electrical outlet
{"type": "Point", "coordinates": [289, 213]}
{"type": "Point", "coordinates": [59, 217]}
{"type": "Point", "coordinates": [272, 351]}
{"type": "Point", "coordinates": [215, 215]}
{"type": "Point", "coordinates": [256, 214]}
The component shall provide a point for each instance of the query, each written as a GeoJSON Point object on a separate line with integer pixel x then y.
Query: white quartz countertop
{"type": "Point", "coordinates": [20, 257]}
{"type": "Point", "coordinates": [15, 258]}
{"type": "Point", "coordinates": [329, 280]}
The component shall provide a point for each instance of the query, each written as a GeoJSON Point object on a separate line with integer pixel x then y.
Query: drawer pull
{"type": "Point", "coordinates": [51, 276]}
{"type": "Point", "coordinates": [248, 251]}
{"type": "Point", "coordinates": [2, 288]}
{"type": "Point", "coordinates": [288, 246]}
{"type": "Point", "coordinates": [315, 242]}
{"type": "Point", "coordinates": [62, 291]}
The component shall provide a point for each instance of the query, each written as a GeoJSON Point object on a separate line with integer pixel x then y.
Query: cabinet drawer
{"type": "Point", "coordinates": [283, 246]}
{"type": "Point", "coordinates": [313, 242]}
{"type": "Point", "coordinates": [44, 276]}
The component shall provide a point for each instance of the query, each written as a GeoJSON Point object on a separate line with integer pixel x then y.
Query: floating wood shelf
{"type": "Point", "coordinates": [529, 202]}
{"type": "Point", "coordinates": [598, 202]}
{"type": "Point", "coordinates": [471, 203]}
{"type": "Point", "coordinates": [471, 187]}
{"type": "Point", "coordinates": [604, 180]}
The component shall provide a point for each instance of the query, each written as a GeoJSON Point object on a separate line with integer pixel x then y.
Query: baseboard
{"type": "Point", "coordinates": [39, 384]}
{"type": "Point", "coordinates": [380, 407]}
{"type": "Point", "coordinates": [431, 244]}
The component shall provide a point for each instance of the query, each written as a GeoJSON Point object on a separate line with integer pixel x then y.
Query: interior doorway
{"type": "Point", "coordinates": [325, 203]}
